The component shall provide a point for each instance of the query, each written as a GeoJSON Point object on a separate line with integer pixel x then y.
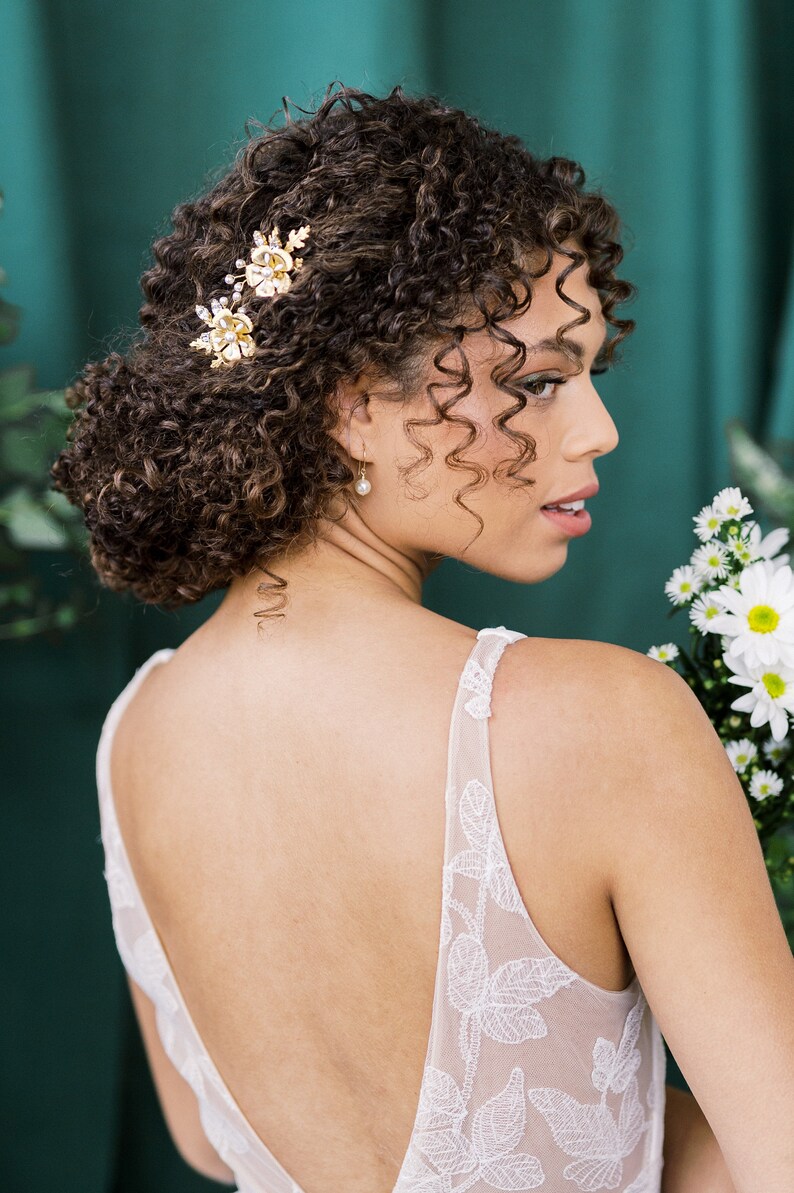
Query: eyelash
{"type": "Point", "coordinates": [556, 381]}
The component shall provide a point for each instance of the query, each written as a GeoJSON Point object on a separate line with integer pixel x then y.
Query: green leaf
{"type": "Point", "coordinates": [54, 400]}
{"type": "Point", "coordinates": [16, 392]}
{"type": "Point", "coordinates": [29, 522]}
{"type": "Point", "coordinates": [21, 452]}
{"type": "Point", "coordinates": [29, 446]}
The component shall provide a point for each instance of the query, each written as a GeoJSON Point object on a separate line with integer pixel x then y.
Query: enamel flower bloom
{"type": "Point", "coordinates": [271, 262]}
{"type": "Point", "coordinates": [229, 337]}
{"type": "Point", "coordinates": [759, 613]}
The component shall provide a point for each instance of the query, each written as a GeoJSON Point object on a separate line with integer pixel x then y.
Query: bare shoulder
{"type": "Point", "coordinates": [601, 697]}
{"type": "Point", "coordinates": [638, 758]}
{"type": "Point", "coordinates": [575, 718]}
{"type": "Point", "coordinates": [612, 694]}
{"type": "Point", "coordinates": [593, 667]}
{"type": "Point", "coordinates": [680, 855]}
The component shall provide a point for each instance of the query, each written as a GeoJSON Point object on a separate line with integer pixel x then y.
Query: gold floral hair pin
{"type": "Point", "coordinates": [229, 336]}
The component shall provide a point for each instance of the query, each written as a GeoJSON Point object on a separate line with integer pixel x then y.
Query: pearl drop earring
{"type": "Point", "coordinates": [362, 485]}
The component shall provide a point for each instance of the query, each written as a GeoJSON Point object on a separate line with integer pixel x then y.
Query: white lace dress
{"type": "Point", "coordinates": [535, 1078]}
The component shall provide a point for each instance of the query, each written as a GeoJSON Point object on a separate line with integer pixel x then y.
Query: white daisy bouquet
{"type": "Point", "coordinates": [739, 594]}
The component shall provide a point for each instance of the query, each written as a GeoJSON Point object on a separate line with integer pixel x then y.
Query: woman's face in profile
{"type": "Point", "coordinates": [564, 415]}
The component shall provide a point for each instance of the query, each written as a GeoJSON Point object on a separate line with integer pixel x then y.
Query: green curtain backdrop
{"type": "Point", "coordinates": [679, 109]}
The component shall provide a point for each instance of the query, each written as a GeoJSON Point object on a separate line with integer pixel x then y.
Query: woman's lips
{"type": "Point", "coordinates": [574, 525]}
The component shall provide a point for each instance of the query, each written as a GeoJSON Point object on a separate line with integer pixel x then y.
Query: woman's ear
{"type": "Point", "coordinates": [351, 402]}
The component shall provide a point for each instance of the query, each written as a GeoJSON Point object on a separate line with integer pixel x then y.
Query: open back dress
{"type": "Point", "coordinates": [534, 1077]}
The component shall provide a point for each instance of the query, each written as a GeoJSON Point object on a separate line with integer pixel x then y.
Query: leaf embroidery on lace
{"type": "Point", "coordinates": [613, 1068]}
{"type": "Point", "coordinates": [501, 1006]}
{"type": "Point", "coordinates": [589, 1132]}
{"type": "Point", "coordinates": [486, 861]}
{"type": "Point", "coordinates": [502, 1003]}
{"type": "Point", "coordinates": [489, 1154]}
{"type": "Point", "coordinates": [476, 679]}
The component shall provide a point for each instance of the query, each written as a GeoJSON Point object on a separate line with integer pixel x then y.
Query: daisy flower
{"type": "Point", "coordinates": [702, 612]}
{"type": "Point", "coordinates": [741, 753]}
{"type": "Point", "coordinates": [710, 561]}
{"type": "Point", "coordinates": [707, 523]}
{"type": "Point", "coordinates": [665, 653]}
{"type": "Point", "coordinates": [764, 783]}
{"type": "Point", "coordinates": [759, 616]}
{"type": "Point", "coordinates": [731, 504]}
{"type": "Point", "coordinates": [682, 585]}
{"type": "Point", "coordinates": [768, 546]}
{"type": "Point", "coordinates": [741, 549]}
{"type": "Point", "coordinates": [776, 751]}
{"type": "Point", "coordinates": [771, 694]}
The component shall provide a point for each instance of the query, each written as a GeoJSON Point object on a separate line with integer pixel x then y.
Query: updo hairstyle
{"type": "Point", "coordinates": [423, 226]}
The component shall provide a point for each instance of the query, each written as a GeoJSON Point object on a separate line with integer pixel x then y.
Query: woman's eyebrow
{"type": "Point", "coordinates": [549, 344]}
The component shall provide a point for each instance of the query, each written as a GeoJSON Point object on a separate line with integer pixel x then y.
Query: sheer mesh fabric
{"type": "Point", "coordinates": [534, 1077]}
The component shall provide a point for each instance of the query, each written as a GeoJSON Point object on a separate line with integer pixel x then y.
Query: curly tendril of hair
{"type": "Point", "coordinates": [424, 227]}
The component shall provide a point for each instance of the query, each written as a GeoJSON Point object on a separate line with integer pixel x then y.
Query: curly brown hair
{"type": "Point", "coordinates": [420, 218]}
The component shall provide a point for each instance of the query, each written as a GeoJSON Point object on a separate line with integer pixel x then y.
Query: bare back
{"type": "Point", "coordinates": [282, 807]}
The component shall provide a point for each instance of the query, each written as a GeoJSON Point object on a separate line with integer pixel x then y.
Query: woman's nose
{"type": "Point", "coordinates": [594, 432]}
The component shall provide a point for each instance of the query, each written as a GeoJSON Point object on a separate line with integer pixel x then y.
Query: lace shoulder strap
{"type": "Point", "coordinates": [477, 677]}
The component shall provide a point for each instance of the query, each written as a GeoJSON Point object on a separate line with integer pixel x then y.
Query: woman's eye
{"type": "Point", "coordinates": [543, 387]}
{"type": "Point", "coordinates": [538, 385]}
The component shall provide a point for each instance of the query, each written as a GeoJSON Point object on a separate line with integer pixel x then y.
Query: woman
{"type": "Point", "coordinates": [354, 848]}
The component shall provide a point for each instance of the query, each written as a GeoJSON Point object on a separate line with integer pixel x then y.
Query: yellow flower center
{"type": "Point", "coordinates": [763, 619]}
{"type": "Point", "coordinates": [742, 759]}
{"type": "Point", "coordinates": [773, 684]}
{"type": "Point", "coordinates": [686, 586]}
{"type": "Point", "coordinates": [711, 611]}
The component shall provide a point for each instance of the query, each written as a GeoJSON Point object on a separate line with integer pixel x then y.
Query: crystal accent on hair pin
{"type": "Point", "coordinates": [267, 273]}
